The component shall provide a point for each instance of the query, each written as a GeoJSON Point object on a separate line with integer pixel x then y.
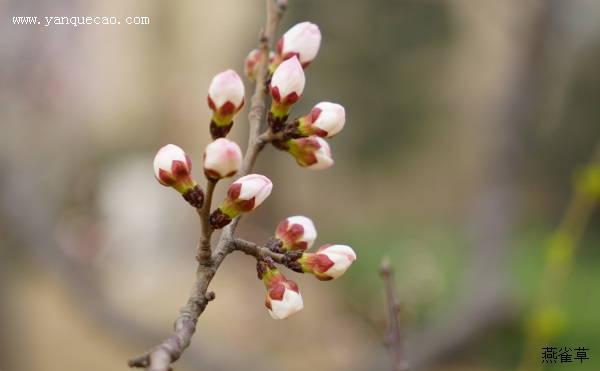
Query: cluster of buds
{"type": "Point", "coordinates": [293, 237]}
{"type": "Point", "coordinates": [300, 137]}
{"type": "Point", "coordinates": [303, 138]}
{"type": "Point", "coordinates": [222, 158]}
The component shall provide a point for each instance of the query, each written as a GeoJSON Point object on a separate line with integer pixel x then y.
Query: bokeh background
{"type": "Point", "coordinates": [469, 124]}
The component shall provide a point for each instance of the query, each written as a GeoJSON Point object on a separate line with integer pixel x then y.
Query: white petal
{"type": "Point", "coordinates": [165, 157]}
{"type": "Point", "coordinates": [331, 119]}
{"type": "Point", "coordinates": [342, 257]}
{"type": "Point", "coordinates": [289, 78]}
{"type": "Point", "coordinates": [323, 156]}
{"type": "Point", "coordinates": [223, 156]}
{"type": "Point", "coordinates": [290, 304]}
{"type": "Point", "coordinates": [255, 185]}
{"type": "Point", "coordinates": [305, 39]}
{"type": "Point", "coordinates": [226, 86]}
{"type": "Point", "coordinates": [310, 233]}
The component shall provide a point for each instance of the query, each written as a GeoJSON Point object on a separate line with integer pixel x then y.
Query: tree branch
{"type": "Point", "coordinates": [393, 337]}
{"type": "Point", "coordinates": [204, 251]}
{"type": "Point", "coordinates": [162, 356]}
{"type": "Point", "coordinates": [258, 252]}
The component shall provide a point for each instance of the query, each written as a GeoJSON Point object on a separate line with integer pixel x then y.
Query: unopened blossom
{"type": "Point", "coordinates": [243, 196]}
{"type": "Point", "coordinates": [329, 262]}
{"type": "Point", "coordinates": [303, 40]}
{"type": "Point", "coordinates": [287, 86]}
{"type": "Point", "coordinates": [312, 152]}
{"type": "Point", "coordinates": [325, 120]}
{"type": "Point", "coordinates": [283, 296]}
{"type": "Point", "coordinates": [172, 168]}
{"type": "Point", "coordinates": [225, 98]}
{"type": "Point", "coordinates": [296, 233]}
{"type": "Point", "coordinates": [222, 159]}
{"type": "Point", "coordinates": [253, 60]}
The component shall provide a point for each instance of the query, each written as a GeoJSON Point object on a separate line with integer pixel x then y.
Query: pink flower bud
{"type": "Point", "coordinates": [287, 85]}
{"type": "Point", "coordinates": [226, 92]}
{"type": "Point", "coordinates": [225, 98]}
{"type": "Point", "coordinates": [244, 195]}
{"type": "Point", "coordinates": [296, 233]}
{"type": "Point", "coordinates": [283, 296]}
{"type": "Point", "coordinates": [288, 81]}
{"type": "Point", "coordinates": [329, 262]}
{"type": "Point", "coordinates": [325, 120]}
{"type": "Point", "coordinates": [303, 40]}
{"type": "Point", "coordinates": [172, 168]}
{"type": "Point", "coordinates": [222, 159]}
{"type": "Point", "coordinates": [312, 152]}
{"type": "Point", "coordinates": [253, 60]}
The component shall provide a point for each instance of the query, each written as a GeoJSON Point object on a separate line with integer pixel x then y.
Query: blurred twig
{"type": "Point", "coordinates": [560, 254]}
{"type": "Point", "coordinates": [393, 337]}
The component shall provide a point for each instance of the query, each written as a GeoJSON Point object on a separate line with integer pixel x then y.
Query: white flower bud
{"type": "Point", "coordinates": [222, 159]}
{"type": "Point", "coordinates": [253, 59]}
{"type": "Point", "coordinates": [283, 296]}
{"type": "Point", "coordinates": [289, 304]}
{"type": "Point", "coordinates": [225, 98]}
{"type": "Point", "coordinates": [287, 83]}
{"type": "Point", "coordinates": [296, 233]}
{"type": "Point", "coordinates": [226, 92]}
{"type": "Point", "coordinates": [329, 262]}
{"type": "Point", "coordinates": [243, 196]}
{"type": "Point", "coordinates": [327, 119]}
{"type": "Point", "coordinates": [172, 168]}
{"type": "Point", "coordinates": [312, 152]}
{"type": "Point", "coordinates": [302, 40]}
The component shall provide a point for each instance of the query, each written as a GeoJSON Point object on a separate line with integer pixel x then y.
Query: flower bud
{"type": "Point", "coordinates": [329, 262]}
{"type": "Point", "coordinates": [283, 296]}
{"type": "Point", "coordinates": [222, 159]}
{"type": "Point", "coordinates": [296, 233]}
{"type": "Point", "coordinates": [287, 85]}
{"type": "Point", "coordinates": [244, 195]}
{"type": "Point", "coordinates": [303, 40]}
{"type": "Point", "coordinates": [253, 60]}
{"type": "Point", "coordinates": [172, 168]}
{"type": "Point", "coordinates": [325, 120]}
{"type": "Point", "coordinates": [311, 152]}
{"type": "Point", "coordinates": [225, 98]}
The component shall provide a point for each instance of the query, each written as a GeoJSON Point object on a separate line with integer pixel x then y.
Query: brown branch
{"type": "Point", "coordinates": [393, 337]}
{"type": "Point", "coordinates": [162, 356]}
{"type": "Point", "coordinates": [259, 252]}
{"type": "Point", "coordinates": [204, 251]}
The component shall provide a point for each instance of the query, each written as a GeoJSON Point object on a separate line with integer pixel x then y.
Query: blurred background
{"type": "Point", "coordinates": [468, 125]}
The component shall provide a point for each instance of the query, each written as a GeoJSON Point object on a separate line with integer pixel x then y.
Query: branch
{"type": "Point", "coordinates": [393, 337]}
{"type": "Point", "coordinates": [162, 356]}
{"type": "Point", "coordinates": [259, 252]}
{"type": "Point", "coordinates": [204, 251]}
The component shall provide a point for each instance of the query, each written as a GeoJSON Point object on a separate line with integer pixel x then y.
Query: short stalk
{"type": "Point", "coordinates": [204, 250]}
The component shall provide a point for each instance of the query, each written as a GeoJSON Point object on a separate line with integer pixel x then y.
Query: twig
{"type": "Point", "coordinates": [162, 356]}
{"type": "Point", "coordinates": [393, 337]}
{"type": "Point", "coordinates": [258, 252]}
{"type": "Point", "coordinates": [559, 264]}
{"type": "Point", "coordinates": [204, 252]}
